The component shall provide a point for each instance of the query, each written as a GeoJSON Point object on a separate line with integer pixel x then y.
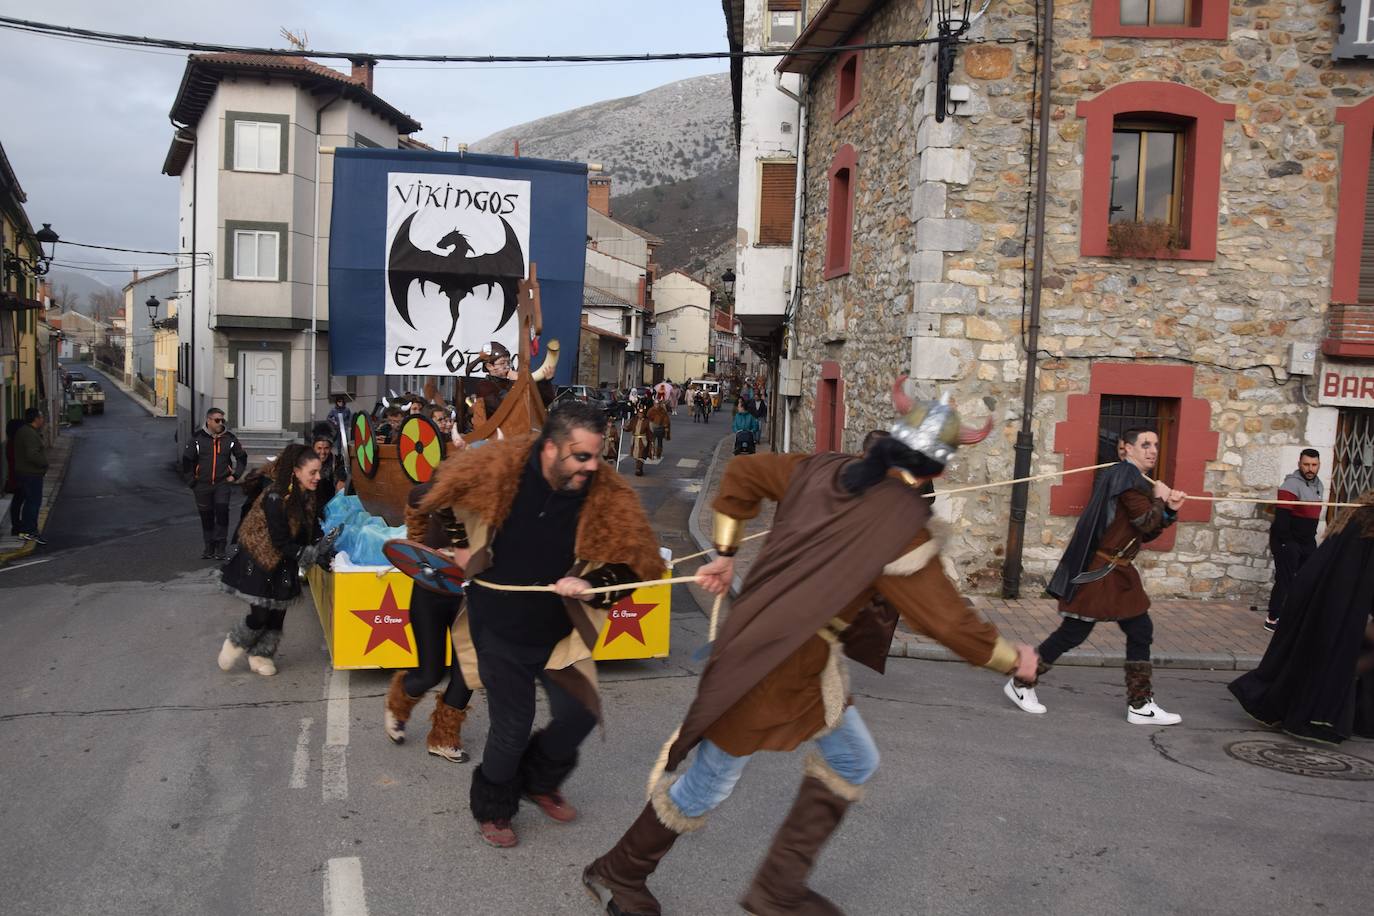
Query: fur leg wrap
{"type": "Point", "coordinates": [398, 702]}
{"type": "Point", "coordinates": [815, 767]}
{"type": "Point", "coordinates": [669, 814]}
{"type": "Point", "coordinates": [244, 636]}
{"type": "Point", "coordinates": [445, 724]}
{"type": "Point", "coordinates": [1139, 689]}
{"type": "Point", "coordinates": [492, 801]}
{"type": "Point", "coordinates": [540, 774]}
{"type": "Point", "coordinates": [267, 644]}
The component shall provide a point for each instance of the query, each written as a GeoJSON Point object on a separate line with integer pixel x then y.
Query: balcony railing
{"type": "Point", "coordinates": [1349, 331]}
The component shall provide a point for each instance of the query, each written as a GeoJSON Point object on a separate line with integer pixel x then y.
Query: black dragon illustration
{"type": "Point", "coordinates": [457, 274]}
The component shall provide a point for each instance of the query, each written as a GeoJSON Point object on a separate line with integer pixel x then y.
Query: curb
{"type": "Point", "coordinates": [905, 647]}
{"type": "Point", "coordinates": [29, 547]}
{"type": "Point", "coordinates": [703, 541]}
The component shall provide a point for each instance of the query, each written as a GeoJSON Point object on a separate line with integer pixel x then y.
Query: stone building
{"type": "Point", "coordinates": [1221, 294]}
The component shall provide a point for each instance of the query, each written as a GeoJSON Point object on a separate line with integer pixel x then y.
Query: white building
{"type": "Point", "coordinates": [770, 121]}
{"type": "Point", "coordinates": [246, 155]}
{"type": "Point", "coordinates": [682, 325]}
{"type": "Point", "coordinates": [138, 329]}
{"type": "Point", "coordinates": [620, 261]}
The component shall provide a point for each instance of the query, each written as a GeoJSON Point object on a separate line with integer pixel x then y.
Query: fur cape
{"type": "Point", "coordinates": [479, 485]}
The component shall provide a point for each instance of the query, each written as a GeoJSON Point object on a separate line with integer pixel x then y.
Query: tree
{"type": "Point", "coordinates": [106, 305]}
{"type": "Point", "coordinates": [63, 299]}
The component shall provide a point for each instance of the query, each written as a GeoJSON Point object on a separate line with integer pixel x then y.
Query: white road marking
{"type": "Point", "coordinates": [334, 773]}
{"type": "Point", "coordinates": [300, 765]}
{"type": "Point", "coordinates": [343, 887]}
{"type": "Point", "coordinates": [336, 720]}
{"type": "Point", "coordinates": [687, 462]}
{"type": "Point", "coordinates": [29, 563]}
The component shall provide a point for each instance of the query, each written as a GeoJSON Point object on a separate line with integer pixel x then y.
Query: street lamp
{"type": "Point", "coordinates": [38, 267]}
{"type": "Point", "coordinates": [727, 280]}
{"type": "Point", "coordinates": [152, 305]}
{"type": "Point", "coordinates": [952, 20]}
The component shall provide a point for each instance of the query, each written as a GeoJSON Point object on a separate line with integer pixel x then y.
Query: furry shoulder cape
{"type": "Point", "coordinates": [611, 529]}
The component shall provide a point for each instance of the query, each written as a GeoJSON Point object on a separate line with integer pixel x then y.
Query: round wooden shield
{"type": "Point", "coordinates": [364, 445]}
{"type": "Point", "coordinates": [421, 448]}
{"type": "Point", "coordinates": [429, 568]}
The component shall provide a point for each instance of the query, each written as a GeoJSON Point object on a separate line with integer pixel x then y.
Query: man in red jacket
{"type": "Point", "coordinates": [1293, 533]}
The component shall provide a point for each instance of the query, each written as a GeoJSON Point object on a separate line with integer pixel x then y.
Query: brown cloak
{"type": "Point", "coordinates": [826, 547]}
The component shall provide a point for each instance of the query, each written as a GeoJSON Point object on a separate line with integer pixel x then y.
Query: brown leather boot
{"type": "Point", "coordinates": [446, 731]}
{"type": "Point", "coordinates": [398, 707]}
{"type": "Point", "coordinates": [780, 885]}
{"type": "Point", "coordinates": [617, 879]}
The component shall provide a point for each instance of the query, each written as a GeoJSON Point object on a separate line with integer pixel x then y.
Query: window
{"type": "Point", "coordinates": [1164, 19]}
{"type": "Point", "coordinates": [255, 255]}
{"type": "Point", "coordinates": [257, 146]}
{"type": "Point", "coordinates": [1154, 12]}
{"type": "Point", "coordinates": [1152, 154]}
{"type": "Point", "coordinates": [848, 79]}
{"type": "Point", "coordinates": [1147, 173]}
{"type": "Point", "coordinates": [1352, 466]}
{"type": "Point", "coordinates": [784, 21]}
{"type": "Point", "coordinates": [840, 217]}
{"type": "Point", "coordinates": [777, 200]}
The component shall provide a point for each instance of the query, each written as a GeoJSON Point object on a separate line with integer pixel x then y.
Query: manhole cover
{"type": "Point", "coordinates": [1302, 760]}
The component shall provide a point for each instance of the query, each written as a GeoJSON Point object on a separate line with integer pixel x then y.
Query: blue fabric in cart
{"type": "Point", "coordinates": [363, 534]}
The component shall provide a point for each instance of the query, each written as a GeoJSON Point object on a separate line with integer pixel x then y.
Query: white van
{"type": "Point", "coordinates": [710, 386]}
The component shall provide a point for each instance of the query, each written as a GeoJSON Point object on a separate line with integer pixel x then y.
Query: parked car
{"type": "Point", "coordinates": [89, 395]}
{"type": "Point", "coordinates": [72, 375]}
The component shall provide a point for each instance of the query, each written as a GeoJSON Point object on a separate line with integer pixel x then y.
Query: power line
{"type": "Point", "coordinates": [133, 250]}
{"type": "Point", "coordinates": [145, 41]}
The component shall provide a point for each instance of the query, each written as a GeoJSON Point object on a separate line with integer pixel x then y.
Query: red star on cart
{"type": "Point", "coordinates": [388, 623]}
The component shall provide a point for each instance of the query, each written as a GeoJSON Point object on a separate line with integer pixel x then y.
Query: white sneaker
{"type": "Point", "coordinates": [261, 664]}
{"type": "Point", "coordinates": [229, 655]}
{"type": "Point", "coordinates": [1151, 714]}
{"type": "Point", "coordinates": [1024, 697]}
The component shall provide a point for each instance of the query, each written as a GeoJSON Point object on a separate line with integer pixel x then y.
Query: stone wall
{"type": "Point", "coordinates": [937, 282]}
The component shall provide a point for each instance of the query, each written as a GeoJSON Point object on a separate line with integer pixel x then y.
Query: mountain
{"type": "Point", "coordinates": [82, 286]}
{"type": "Point", "coordinates": [670, 155]}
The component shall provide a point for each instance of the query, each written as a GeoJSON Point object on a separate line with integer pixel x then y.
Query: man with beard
{"type": "Point", "coordinates": [846, 529]}
{"type": "Point", "coordinates": [215, 460]}
{"type": "Point", "coordinates": [1293, 533]}
{"type": "Point", "coordinates": [539, 510]}
{"type": "Point", "coordinates": [1096, 580]}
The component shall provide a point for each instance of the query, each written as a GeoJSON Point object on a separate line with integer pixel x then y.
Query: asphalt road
{"type": "Point", "coordinates": [143, 780]}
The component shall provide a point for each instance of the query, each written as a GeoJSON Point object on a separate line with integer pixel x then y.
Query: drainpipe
{"type": "Point", "coordinates": [798, 250]}
{"type": "Point", "coordinates": [1025, 439]}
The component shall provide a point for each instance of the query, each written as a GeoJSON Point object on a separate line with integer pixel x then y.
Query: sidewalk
{"type": "Point", "coordinates": [59, 456]}
{"type": "Point", "coordinates": [1188, 634]}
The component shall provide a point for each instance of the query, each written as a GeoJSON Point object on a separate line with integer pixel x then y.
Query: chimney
{"type": "Point", "coordinates": [599, 195]}
{"type": "Point", "coordinates": [362, 71]}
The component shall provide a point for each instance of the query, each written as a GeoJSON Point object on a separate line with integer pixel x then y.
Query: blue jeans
{"type": "Point", "coordinates": [29, 496]}
{"type": "Point", "coordinates": [849, 750]}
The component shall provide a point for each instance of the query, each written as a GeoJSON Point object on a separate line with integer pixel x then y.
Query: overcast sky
{"type": "Point", "coordinates": [86, 125]}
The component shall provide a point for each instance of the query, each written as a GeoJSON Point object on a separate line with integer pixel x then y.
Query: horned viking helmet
{"type": "Point", "coordinates": [931, 427]}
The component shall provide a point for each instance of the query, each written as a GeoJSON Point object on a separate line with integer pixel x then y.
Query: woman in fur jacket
{"type": "Point", "coordinates": [275, 540]}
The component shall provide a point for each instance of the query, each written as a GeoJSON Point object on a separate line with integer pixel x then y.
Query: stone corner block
{"type": "Point", "coordinates": [935, 234]}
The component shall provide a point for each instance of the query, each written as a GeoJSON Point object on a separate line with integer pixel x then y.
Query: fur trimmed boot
{"type": "Point", "coordinates": [398, 707]}
{"type": "Point", "coordinates": [780, 885]}
{"type": "Point", "coordinates": [617, 879]}
{"type": "Point", "coordinates": [493, 805]}
{"type": "Point", "coordinates": [1141, 708]}
{"type": "Point", "coordinates": [540, 778]}
{"type": "Point", "coordinates": [446, 731]}
{"type": "Point", "coordinates": [241, 638]}
{"type": "Point", "coordinates": [260, 657]}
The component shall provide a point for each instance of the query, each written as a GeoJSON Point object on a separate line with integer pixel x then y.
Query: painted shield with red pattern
{"type": "Point", "coordinates": [364, 445]}
{"type": "Point", "coordinates": [429, 568]}
{"type": "Point", "coordinates": [421, 448]}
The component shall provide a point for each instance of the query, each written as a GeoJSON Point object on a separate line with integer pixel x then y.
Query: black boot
{"type": "Point", "coordinates": [493, 806]}
{"type": "Point", "coordinates": [220, 551]}
{"type": "Point", "coordinates": [209, 552]}
{"type": "Point", "coordinates": [540, 779]}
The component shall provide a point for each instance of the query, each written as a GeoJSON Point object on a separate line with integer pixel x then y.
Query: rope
{"type": "Point", "coordinates": [715, 618]}
{"type": "Point", "coordinates": [598, 590]}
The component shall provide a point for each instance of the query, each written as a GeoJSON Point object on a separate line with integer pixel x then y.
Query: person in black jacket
{"type": "Point", "coordinates": [215, 460]}
{"type": "Point", "coordinates": [276, 539]}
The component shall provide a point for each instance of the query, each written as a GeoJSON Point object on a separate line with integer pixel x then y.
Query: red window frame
{"type": "Point", "coordinates": [1201, 165]}
{"type": "Point", "coordinates": [1211, 22]}
{"type": "Point", "coordinates": [829, 414]}
{"type": "Point", "coordinates": [839, 220]}
{"type": "Point", "coordinates": [1076, 437]}
{"type": "Point", "coordinates": [1351, 207]}
{"type": "Point", "coordinates": [848, 79]}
